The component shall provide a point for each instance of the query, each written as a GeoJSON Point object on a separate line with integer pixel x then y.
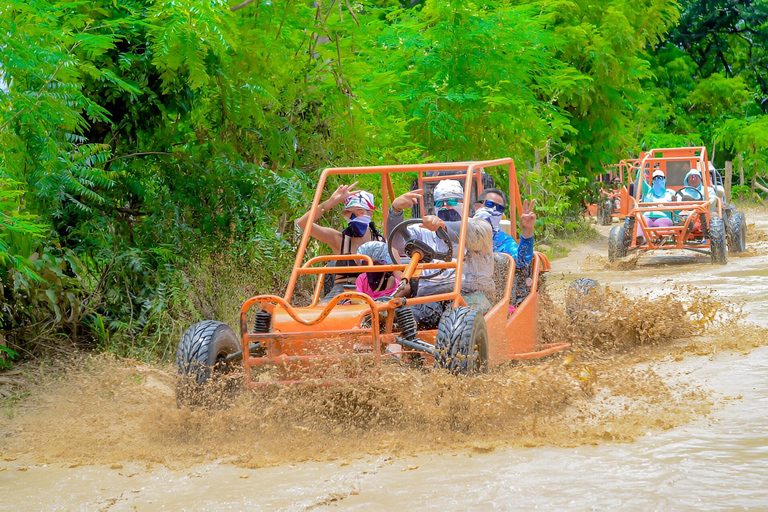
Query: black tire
{"type": "Point", "coordinates": [617, 243]}
{"type": "Point", "coordinates": [461, 344]}
{"type": "Point", "coordinates": [718, 249]}
{"type": "Point", "coordinates": [605, 213]}
{"type": "Point", "coordinates": [737, 233]}
{"type": "Point", "coordinates": [582, 295]}
{"type": "Point", "coordinates": [204, 346]}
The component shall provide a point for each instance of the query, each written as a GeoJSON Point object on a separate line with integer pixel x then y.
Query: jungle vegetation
{"type": "Point", "coordinates": [153, 155]}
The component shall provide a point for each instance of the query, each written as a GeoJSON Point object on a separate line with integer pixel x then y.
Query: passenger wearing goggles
{"type": "Point", "coordinates": [478, 261]}
{"type": "Point", "coordinates": [449, 196]}
{"type": "Point", "coordinates": [490, 206]}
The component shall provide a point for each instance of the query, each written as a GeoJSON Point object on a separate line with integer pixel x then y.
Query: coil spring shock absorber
{"type": "Point", "coordinates": [406, 322]}
{"type": "Point", "coordinates": [263, 322]}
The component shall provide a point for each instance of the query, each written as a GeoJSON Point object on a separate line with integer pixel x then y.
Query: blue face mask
{"type": "Point", "coordinates": [659, 187]}
{"type": "Point", "coordinates": [357, 225]}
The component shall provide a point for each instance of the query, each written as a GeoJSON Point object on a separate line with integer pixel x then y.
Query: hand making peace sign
{"type": "Point", "coordinates": [342, 193]}
{"type": "Point", "coordinates": [527, 218]}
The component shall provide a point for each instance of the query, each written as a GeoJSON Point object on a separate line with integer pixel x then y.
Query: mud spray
{"type": "Point", "coordinates": [98, 409]}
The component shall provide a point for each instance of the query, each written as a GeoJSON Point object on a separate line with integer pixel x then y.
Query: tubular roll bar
{"type": "Point", "coordinates": [387, 190]}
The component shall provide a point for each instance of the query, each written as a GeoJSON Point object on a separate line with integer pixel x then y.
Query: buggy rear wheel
{"type": "Point", "coordinates": [736, 229]}
{"type": "Point", "coordinates": [718, 249]}
{"type": "Point", "coordinates": [461, 345]}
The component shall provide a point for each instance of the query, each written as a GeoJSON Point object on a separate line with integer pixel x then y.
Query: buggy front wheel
{"type": "Point", "coordinates": [201, 353]}
{"type": "Point", "coordinates": [617, 243]}
{"type": "Point", "coordinates": [718, 249]}
{"type": "Point", "coordinates": [461, 345]}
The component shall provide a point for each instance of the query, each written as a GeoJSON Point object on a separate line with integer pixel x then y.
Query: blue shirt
{"type": "Point", "coordinates": [523, 254]}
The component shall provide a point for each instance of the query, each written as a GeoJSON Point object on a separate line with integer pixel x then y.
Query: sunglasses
{"type": "Point", "coordinates": [658, 178]}
{"type": "Point", "coordinates": [447, 202]}
{"type": "Point", "coordinates": [494, 206]}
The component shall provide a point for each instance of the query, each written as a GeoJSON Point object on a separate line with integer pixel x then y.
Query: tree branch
{"type": "Point", "coordinates": [139, 154]}
{"type": "Point", "coordinates": [241, 5]}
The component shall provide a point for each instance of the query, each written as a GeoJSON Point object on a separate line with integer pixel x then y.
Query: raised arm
{"type": "Point", "coordinates": [328, 236]}
{"type": "Point", "coordinates": [395, 214]}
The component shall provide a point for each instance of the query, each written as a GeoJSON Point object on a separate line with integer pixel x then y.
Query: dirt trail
{"type": "Point", "coordinates": [101, 433]}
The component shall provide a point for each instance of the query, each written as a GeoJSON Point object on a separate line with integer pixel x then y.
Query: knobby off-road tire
{"type": "Point", "coordinates": [203, 346]}
{"type": "Point", "coordinates": [718, 249]}
{"type": "Point", "coordinates": [736, 230]}
{"type": "Point", "coordinates": [617, 243]}
{"type": "Point", "coordinates": [605, 213]}
{"type": "Point", "coordinates": [461, 344]}
{"type": "Point", "coordinates": [200, 355]}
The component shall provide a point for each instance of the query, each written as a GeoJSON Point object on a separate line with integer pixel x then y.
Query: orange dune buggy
{"type": "Point", "coordinates": [297, 344]}
{"type": "Point", "coordinates": [701, 223]}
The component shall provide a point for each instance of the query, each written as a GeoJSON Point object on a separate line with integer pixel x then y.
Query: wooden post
{"type": "Point", "coordinates": [741, 169]}
{"type": "Point", "coordinates": [728, 179]}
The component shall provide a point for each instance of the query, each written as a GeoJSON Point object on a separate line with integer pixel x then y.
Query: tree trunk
{"type": "Point", "coordinates": [754, 180]}
{"type": "Point", "coordinates": [728, 179]}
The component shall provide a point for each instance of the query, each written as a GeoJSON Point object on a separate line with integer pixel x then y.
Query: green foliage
{"type": "Point", "coordinates": [151, 151]}
{"type": "Point", "coordinates": [445, 75]}
{"type": "Point", "coordinates": [719, 96]}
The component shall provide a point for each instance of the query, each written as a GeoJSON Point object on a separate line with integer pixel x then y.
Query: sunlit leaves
{"type": "Point", "coordinates": [190, 40]}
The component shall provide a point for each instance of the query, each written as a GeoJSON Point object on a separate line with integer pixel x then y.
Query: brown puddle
{"type": "Point", "coordinates": [100, 410]}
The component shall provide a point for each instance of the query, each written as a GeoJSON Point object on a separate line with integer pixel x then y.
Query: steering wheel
{"type": "Point", "coordinates": [697, 197]}
{"type": "Point", "coordinates": [413, 245]}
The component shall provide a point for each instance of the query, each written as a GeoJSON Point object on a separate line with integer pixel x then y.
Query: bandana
{"type": "Point", "coordinates": [448, 189]}
{"type": "Point", "coordinates": [491, 215]}
{"type": "Point", "coordinates": [659, 187]}
{"type": "Point", "coordinates": [361, 199]}
{"type": "Point", "coordinates": [357, 226]}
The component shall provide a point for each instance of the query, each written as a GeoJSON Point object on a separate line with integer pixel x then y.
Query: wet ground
{"type": "Point", "coordinates": [659, 406]}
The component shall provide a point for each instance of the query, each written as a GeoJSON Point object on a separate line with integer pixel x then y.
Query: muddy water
{"type": "Point", "coordinates": [646, 416]}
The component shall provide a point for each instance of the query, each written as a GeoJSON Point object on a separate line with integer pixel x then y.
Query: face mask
{"type": "Point", "coordinates": [357, 226]}
{"type": "Point", "coordinates": [659, 187]}
{"type": "Point", "coordinates": [493, 216]}
{"type": "Point", "coordinates": [449, 215]}
{"type": "Point", "coordinates": [377, 280]}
